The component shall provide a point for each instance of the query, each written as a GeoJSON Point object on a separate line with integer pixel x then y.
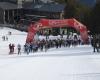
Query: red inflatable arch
{"type": "Point", "coordinates": [50, 23]}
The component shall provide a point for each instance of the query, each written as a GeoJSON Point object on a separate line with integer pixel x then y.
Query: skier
{"type": "Point", "coordinates": [10, 48]}
{"type": "Point", "coordinates": [95, 43]}
{"type": "Point", "coordinates": [19, 49]}
{"type": "Point", "coordinates": [13, 46]}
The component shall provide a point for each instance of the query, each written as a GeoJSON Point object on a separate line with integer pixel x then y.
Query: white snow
{"type": "Point", "coordinates": [75, 63]}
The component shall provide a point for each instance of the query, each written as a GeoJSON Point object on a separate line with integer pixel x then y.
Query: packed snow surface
{"type": "Point", "coordinates": [75, 63]}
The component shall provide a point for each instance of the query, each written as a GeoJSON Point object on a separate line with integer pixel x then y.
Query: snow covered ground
{"type": "Point", "coordinates": [76, 63]}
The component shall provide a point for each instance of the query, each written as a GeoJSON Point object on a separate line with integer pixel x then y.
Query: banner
{"type": "Point", "coordinates": [49, 23]}
{"type": "Point", "coordinates": [56, 23]}
{"type": "Point", "coordinates": [31, 33]}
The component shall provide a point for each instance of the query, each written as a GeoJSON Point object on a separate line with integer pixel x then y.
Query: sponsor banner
{"type": "Point", "coordinates": [31, 32]}
{"type": "Point", "coordinates": [49, 23]}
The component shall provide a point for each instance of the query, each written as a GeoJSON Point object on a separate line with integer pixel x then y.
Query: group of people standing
{"type": "Point", "coordinates": [44, 44]}
{"type": "Point", "coordinates": [11, 48]}
{"type": "Point", "coordinates": [5, 38]}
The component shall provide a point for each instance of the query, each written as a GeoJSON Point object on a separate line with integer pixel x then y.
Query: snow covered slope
{"type": "Point", "coordinates": [15, 38]}
{"type": "Point", "coordinates": [75, 63]}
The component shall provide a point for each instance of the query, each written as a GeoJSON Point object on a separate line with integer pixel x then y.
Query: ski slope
{"type": "Point", "coordinates": [75, 63]}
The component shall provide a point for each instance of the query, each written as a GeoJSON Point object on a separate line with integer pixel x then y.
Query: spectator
{"type": "Point", "coordinates": [19, 49]}
{"type": "Point", "coordinates": [10, 49]}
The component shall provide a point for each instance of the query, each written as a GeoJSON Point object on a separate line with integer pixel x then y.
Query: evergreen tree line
{"type": "Point", "coordinates": [89, 16]}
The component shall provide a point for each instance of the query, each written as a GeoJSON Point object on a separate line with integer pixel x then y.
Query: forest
{"type": "Point", "coordinates": [90, 16]}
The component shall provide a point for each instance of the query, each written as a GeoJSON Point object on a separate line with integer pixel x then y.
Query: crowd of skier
{"type": "Point", "coordinates": [45, 44]}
